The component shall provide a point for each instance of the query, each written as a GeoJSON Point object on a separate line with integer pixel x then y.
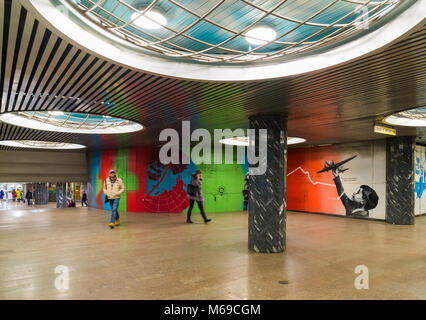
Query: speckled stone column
{"type": "Point", "coordinates": [41, 193]}
{"type": "Point", "coordinates": [400, 180]}
{"type": "Point", "coordinates": [61, 195]}
{"type": "Point", "coordinates": [267, 201]}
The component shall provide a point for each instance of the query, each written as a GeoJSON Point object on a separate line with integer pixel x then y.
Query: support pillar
{"type": "Point", "coordinates": [41, 193]}
{"type": "Point", "coordinates": [400, 180]}
{"type": "Point", "coordinates": [61, 195]}
{"type": "Point", "coordinates": [267, 201]}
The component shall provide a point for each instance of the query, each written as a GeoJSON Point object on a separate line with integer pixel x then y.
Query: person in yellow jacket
{"type": "Point", "coordinates": [113, 188]}
{"type": "Point", "coordinates": [18, 194]}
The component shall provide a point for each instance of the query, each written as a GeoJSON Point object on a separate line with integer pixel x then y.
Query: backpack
{"type": "Point", "coordinates": [192, 190]}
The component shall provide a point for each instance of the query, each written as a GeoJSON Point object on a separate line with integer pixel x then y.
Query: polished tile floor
{"type": "Point", "coordinates": [158, 256]}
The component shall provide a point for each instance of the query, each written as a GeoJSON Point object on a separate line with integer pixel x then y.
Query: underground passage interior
{"type": "Point", "coordinates": [212, 150]}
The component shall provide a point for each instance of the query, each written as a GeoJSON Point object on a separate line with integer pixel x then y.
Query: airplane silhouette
{"type": "Point", "coordinates": [330, 165]}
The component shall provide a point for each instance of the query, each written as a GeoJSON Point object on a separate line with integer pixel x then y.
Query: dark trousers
{"type": "Point", "coordinates": [200, 206]}
{"type": "Point", "coordinates": [84, 202]}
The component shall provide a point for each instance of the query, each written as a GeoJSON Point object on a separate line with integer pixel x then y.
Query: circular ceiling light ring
{"type": "Point", "coordinates": [36, 144]}
{"type": "Point", "coordinates": [409, 118]}
{"type": "Point", "coordinates": [70, 122]}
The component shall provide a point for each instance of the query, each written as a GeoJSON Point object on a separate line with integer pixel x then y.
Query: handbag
{"type": "Point", "coordinates": [192, 190]}
{"type": "Point", "coordinates": [106, 197]}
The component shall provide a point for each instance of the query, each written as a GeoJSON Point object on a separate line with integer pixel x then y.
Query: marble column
{"type": "Point", "coordinates": [41, 193]}
{"type": "Point", "coordinates": [61, 195]}
{"type": "Point", "coordinates": [400, 180]}
{"type": "Point", "coordinates": [267, 200]}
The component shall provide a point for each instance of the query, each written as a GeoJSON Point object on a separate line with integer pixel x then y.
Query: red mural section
{"type": "Point", "coordinates": [137, 166]}
{"type": "Point", "coordinates": [308, 190]}
{"type": "Point", "coordinates": [150, 186]}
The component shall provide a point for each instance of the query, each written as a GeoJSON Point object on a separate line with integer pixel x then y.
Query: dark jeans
{"type": "Point", "coordinates": [84, 202]}
{"type": "Point", "coordinates": [200, 206]}
{"type": "Point", "coordinates": [114, 206]}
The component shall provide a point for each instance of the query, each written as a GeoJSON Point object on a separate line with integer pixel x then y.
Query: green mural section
{"type": "Point", "coordinates": [130, 180]}
{"type": "Point", "coordinates": [222, 186]}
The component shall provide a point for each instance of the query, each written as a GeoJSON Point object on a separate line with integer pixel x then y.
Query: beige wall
{"type": "Point", "coordinates": [33, 166]}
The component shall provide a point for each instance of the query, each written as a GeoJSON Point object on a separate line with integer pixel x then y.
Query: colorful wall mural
{"type": "Point", "coordinates": [156, 188]}
{"type": "Point", "coordinates": [310, 191]}
{"type": "Point", "coordinates": [420, 180]}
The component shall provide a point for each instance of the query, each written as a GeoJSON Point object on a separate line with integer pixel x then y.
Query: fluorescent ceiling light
{"type": "Point", "coordinates": [70, 122]}
{"type": "Point", "coordinates": [409, 118]}
{"type": "Point", "coordinates": [40, 144]}
{"type": "Point", "coordinates": [244, 141]}
{"type": "Point", "coordinates": [149, 20]}
{"type": "Point", "coordinates": [260, 35]}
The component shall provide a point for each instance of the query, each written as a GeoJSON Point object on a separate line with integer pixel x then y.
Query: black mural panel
{"type": "Point", "coordinates": [267, 205]}
{"type": "Point", "coordinates": [41, 193]}
{"type": "Point", "coordinates": [400, 180]}
{"type": "Point", "coordinates": [61, 195]}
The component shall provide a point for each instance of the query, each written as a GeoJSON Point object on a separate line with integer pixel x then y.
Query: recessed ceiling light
{"type": "Point", "coordinates": [149, 20]}
{"type": "Point", "coordinates": [56, 113]}
{"type": "Point", "coordinates": [40, 144]}
{"type": "Point", "coordinates": [236, 141]}
{"type": "Point", "coordinates": [244, 141]}
{"type": "Point", "coordinates": [410, 118]}
{"type": "Point", "coordinates": [70, 122]}
{"type": "Point", "coordinates": [260, 35]}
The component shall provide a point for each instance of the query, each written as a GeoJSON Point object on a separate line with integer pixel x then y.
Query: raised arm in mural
{"type": "Point", "coordinates": [362, 201]}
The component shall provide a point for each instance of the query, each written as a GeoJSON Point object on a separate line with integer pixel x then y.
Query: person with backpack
{"type": "Point", "coordinates": [196, 194]}
{"type": "Point", "coordinates": [113, 188]}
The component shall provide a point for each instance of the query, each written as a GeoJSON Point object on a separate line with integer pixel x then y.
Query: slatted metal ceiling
{"type": "Point", "coordinates": [41, 71]}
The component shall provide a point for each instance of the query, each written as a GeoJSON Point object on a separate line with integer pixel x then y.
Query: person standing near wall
{"type": "Point", "coordinates": [84, 199]}
{"type": "Point", "coordinates": [113, 188]}
{"type": "Point", "coordinates": [29, 197]}
{"type": "Point", "coordinates": [196, 194]}
{"type": "Point", "coordinates": [246, 191]}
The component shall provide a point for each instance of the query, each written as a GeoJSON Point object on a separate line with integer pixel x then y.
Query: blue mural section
{"type": "Point", "coordinates": [420, 181]}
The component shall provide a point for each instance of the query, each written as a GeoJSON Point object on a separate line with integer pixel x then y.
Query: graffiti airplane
{"type": "Point", "coordinates": [330, 165]}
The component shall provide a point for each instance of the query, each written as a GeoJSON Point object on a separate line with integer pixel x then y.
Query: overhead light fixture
{"type": "Point", "coordinates": [70, 122]}
{"type": "Point", "coordinates": [57, 113]}
{"type": "Point", "coordinates": [244, 141]}
{"type": "Point", "coordinates": [236, 141]}
{"type": "Point", "coordinates": [260, 35]}
{"type": "Point", "coordinates": [40, 144]}
{"type": "Point", "coordinates": [410, 118]}
{"type": "Point", "coordinates": [149, 20]}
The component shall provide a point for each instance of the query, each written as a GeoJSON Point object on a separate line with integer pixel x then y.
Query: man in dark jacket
{"type": "Point", "coordinates": [196, 196]}
{"type": "Point", "coordinates": [29, 197]}
{"type": "Point", "coordinates": [84, 199]}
